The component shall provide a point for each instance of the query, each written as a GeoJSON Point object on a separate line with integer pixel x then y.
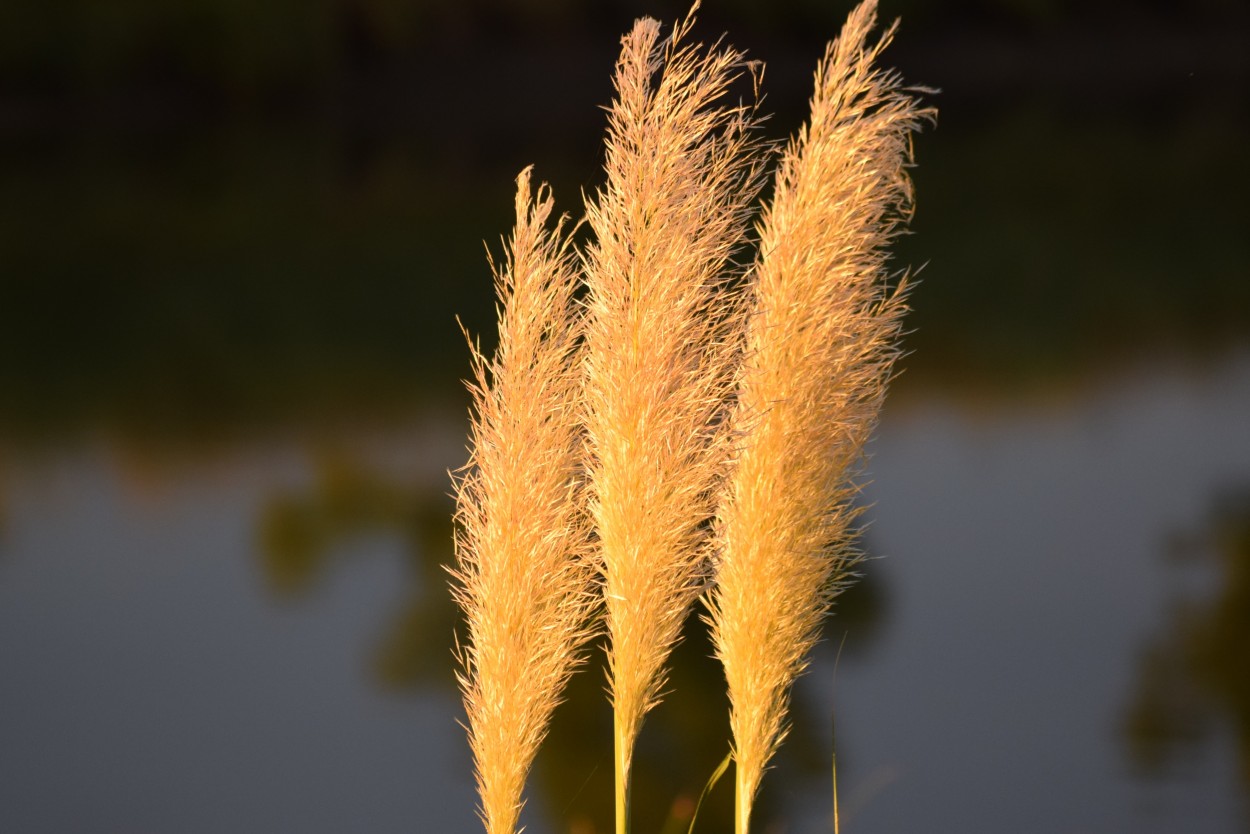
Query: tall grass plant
{"type": "Point", "coordinates": [660, 424]}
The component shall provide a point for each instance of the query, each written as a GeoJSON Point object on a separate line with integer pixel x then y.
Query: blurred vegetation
{"type": "Point", "coordinates": [219, 283]}
{"type": "Point", "coordinates": [1061, 243]}
{"type": "Point", "coordinates": [250, 278]}
{"type": "Point", "coordinates": [223, 217]}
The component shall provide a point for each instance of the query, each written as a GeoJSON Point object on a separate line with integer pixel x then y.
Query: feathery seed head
{"type": "Point", "coordinates": [523, 576]}
{"type": "Point", "coordinates": [682, 171]}
{"type": "Point", "coordinates": [820, 349]}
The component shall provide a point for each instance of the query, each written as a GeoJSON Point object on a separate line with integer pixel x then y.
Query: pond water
{"type": "Point", "coordinates": [180, 655]}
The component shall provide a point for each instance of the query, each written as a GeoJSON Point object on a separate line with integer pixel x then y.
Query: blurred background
{"type": "Point", "coordinates": [234, 241]}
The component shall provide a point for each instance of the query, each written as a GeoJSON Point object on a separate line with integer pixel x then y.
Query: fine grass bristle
{"type": "Point", "coordinates": [682, 171]}
{"type": "Point", "coordinates": [821, 345]}
{"type": "Point", "coordinates": [523, 576]}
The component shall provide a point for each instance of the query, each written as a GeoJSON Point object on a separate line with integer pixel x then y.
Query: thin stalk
{"type": "Point", "coordinates": [707, 789]}
{"type": "Point", "coordinates": [743, 798]}
{"type": "Point", "coordinates": [833, 739]}
{"type": "Point", "coordinates": [624, 755]}
{"type": "Point", "coordinates": [836, 823]}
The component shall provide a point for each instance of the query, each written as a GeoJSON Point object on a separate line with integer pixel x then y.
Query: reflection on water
{"type": "Point", "coordinates": [302, 531]}
{"type": "Point", "coordinates": [201, 648]}
{"type": "Point", "coordinates": [1023, 544]}
{"type": "Point", "coordinates": [1194, 676]}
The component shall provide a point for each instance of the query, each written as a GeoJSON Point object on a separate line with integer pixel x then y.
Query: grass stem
{"type": "Point", "coordinates": [624, 757]}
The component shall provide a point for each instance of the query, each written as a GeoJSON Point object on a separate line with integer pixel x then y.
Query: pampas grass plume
{"type": "Point", "coordinates": [682, 171]}
{"type": "Point", "coordinates": [618, 424]}
{"type": "Point", "coordinates": [820, 350]}
{"type": "Point", "coordinates": [523, 577]}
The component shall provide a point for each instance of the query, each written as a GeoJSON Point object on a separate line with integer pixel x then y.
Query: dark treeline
{"type": "Point", "coordinates": [134, 61]}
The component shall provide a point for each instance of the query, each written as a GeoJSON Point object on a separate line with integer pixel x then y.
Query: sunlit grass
{"type": "Point", "coordinates": [689, 426]}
